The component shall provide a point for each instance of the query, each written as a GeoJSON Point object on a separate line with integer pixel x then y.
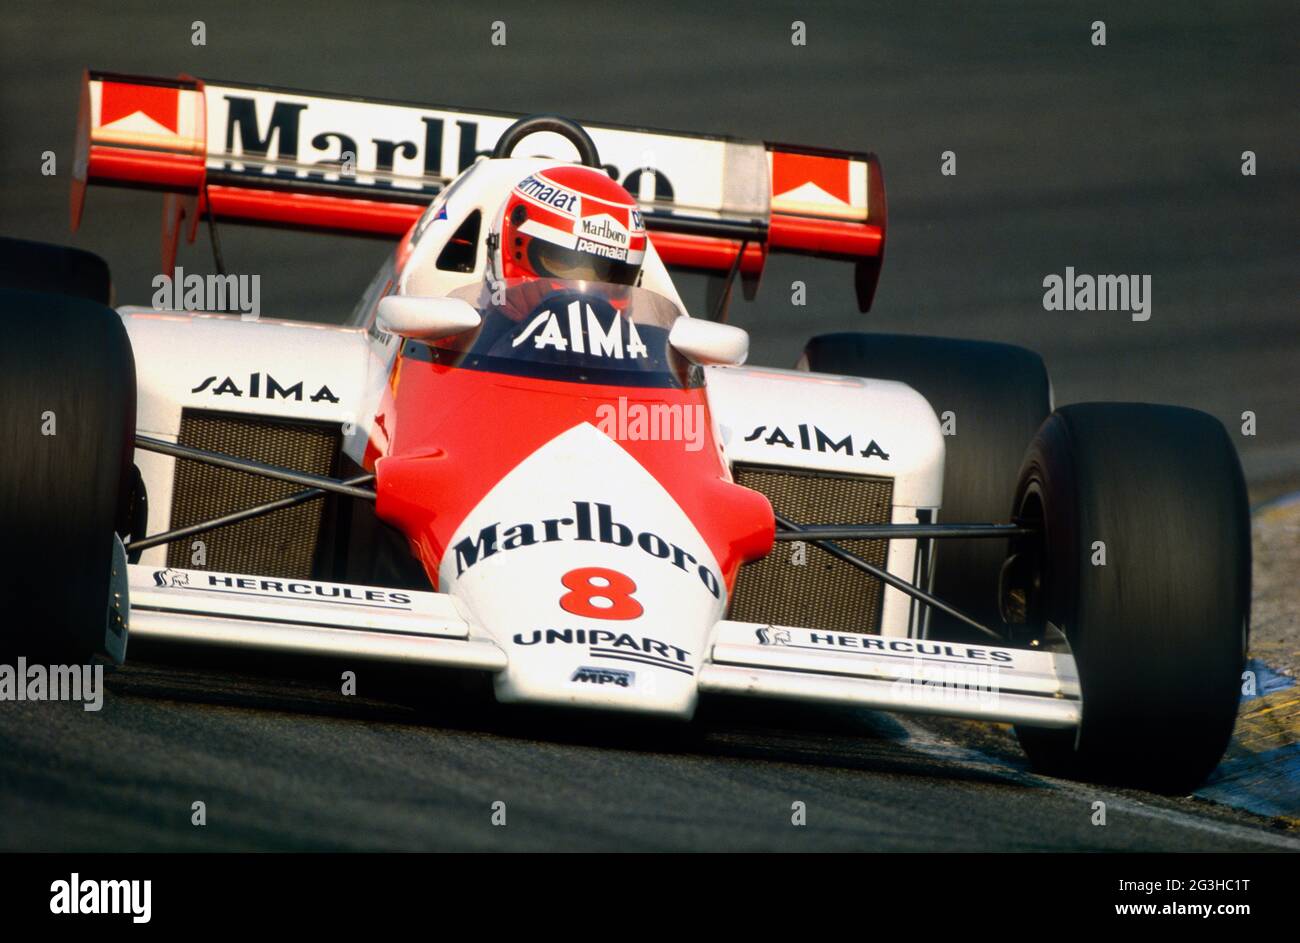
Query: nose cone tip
{"type": "Point", "coordinates": [597, 683]}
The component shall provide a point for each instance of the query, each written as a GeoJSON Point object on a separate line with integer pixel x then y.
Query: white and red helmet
{"type": "Point", "coordinates": [571, 223]}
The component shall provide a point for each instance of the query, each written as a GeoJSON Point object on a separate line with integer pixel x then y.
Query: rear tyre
{"type": "Point", "coordinates": [67, 422]}
{"type": "Point", "coordinates": [1144, 565]}
{"type": "Point", "coordinates": [998, 396]}
{"type": "Point", "coordinates": [38, 266]}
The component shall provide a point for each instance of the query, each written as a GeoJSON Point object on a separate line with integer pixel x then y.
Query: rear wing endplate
{"type": "Point", "coordinates": [310, 161]}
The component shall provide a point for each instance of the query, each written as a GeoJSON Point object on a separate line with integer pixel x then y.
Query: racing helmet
{"type": "Point", "coordinates": [572, 223]}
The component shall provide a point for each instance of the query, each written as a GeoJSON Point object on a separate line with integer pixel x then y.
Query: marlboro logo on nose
{"type": "Point", "coordinates": [588, 521]}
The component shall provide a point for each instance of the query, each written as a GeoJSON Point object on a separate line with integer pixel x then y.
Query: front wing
{"type": "Point", "coordinates": [977, 682]}
{"type": "Point", "coordinates": [230, 610]}
{"type": "Point", "coordinates": [308, 617]}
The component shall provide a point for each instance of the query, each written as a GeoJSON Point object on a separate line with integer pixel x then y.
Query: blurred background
{"type": "Point", "coordinates": [1123, 158]}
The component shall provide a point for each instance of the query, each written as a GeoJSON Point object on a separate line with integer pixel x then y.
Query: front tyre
{"type": "Point", "coordinates": [1144, 565]}
{"type": "Point", "coordinates": [67, 421]}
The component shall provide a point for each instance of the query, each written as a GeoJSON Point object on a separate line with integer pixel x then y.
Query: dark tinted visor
{"type": "Point", "coordinates": [549, 259]}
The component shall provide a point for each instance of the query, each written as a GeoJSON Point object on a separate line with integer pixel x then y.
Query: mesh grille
{"type": "Point", "coordinates": [823, 593]}
{"type": "Point", "coordinates": [282, 543]}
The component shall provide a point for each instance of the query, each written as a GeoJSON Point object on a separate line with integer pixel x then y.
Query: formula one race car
{"type": "Point", "coordinates": [520, 456]}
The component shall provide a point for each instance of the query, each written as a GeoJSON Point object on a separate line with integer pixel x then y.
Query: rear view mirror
{"type": "Point", "coordinates": [709, 342]}
{"type": "Point", "coordinates": [426, 318]}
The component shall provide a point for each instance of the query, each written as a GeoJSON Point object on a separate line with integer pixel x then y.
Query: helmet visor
{"type": "Point", "coordinates": [547, 258]}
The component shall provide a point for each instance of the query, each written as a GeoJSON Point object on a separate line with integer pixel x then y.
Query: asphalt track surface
{"type": "Point", "coordinates": [1117, 159]}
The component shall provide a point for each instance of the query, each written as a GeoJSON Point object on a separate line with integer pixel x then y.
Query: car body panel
{"type": "Point", "coordinates": [524, 497]}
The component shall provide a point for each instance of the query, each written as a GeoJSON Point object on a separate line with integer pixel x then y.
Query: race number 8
{"type": "Point", "coordinates": [598, 593]}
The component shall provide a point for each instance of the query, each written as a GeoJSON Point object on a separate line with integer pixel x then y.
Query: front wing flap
{"type": "Point", "coordinates": [976, 682]}
{"type": "Point", "coordinates": [274, 614]}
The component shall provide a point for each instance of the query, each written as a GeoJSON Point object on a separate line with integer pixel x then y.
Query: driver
{"type": "Point", "coordinates": [571, 223]}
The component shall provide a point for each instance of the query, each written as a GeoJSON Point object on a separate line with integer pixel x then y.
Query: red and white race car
{"type": "Point", "coordinates": [521, 455]}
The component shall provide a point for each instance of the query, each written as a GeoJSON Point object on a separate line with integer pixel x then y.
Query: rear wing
{"type": "Point", "coordinates": [254, 154]}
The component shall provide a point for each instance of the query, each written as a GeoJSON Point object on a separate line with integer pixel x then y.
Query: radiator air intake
{"type": "Point", "coordinates": [822, 592]}
{"type": "Point", "coordinates": [282, 543]}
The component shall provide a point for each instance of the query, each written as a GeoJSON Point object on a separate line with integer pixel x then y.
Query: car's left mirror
{"type": "Point", "coordinates": [426, 318]}
{"type": "Point", "coordinates": [709, 342]}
